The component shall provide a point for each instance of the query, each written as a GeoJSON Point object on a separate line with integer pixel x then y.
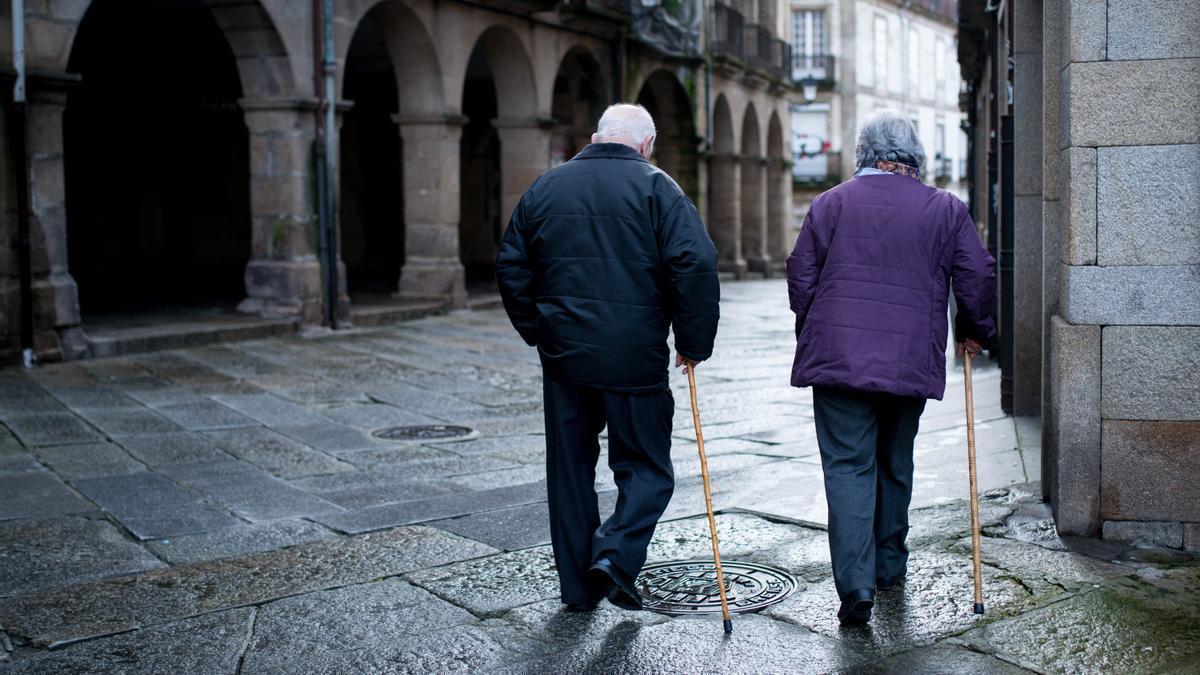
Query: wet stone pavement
{"type": "Point", "coordinates": [228, 509]}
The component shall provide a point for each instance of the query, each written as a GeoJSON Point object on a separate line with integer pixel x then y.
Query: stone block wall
{"type": "Point", "coordinates": [1121, 223]}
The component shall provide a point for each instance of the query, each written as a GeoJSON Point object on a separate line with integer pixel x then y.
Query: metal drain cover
{"type": "Point", "coordinates": [424, 432]}
{"type": "Point", "coordinates": [689, 587]}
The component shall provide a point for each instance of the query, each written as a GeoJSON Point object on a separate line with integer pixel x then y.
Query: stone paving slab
{"type": "Point", "coordinates": [90, 460]}
{"type": "Point", "coordinates": [238, 541]}
{"type": "Point", "coordinates": [22, 462]}
{"type": "Point", "coordinates": [270, 410]}
{"type": "Point", "coordinates": [1105, 630]}
{"type": "Point", "coordinates": [93, 397]}
{"type": "Point", "coordinates": [277, 454]}
{"type": "Point", "coordinates": [37, 494]}
{"type": "Point", "coordinates": [388, 493]}
{"type": "Point", "coordinates": [434, 508]}
{"type": "Point", "coordinates": [213, 643]}
{"type": "Point", "coordinates": [151, 506]}
{"type": "Point", "coordinates": [492, 586]}
{"type": "Point", "coordinates": [8, 442]}
{"type": "Point", "coordinates": [182, 447]}
{"type": "Point", "coordinates": [205, 415]}
{"type": "Point", "coordinates": [362, 624]}
{"type": "Point", "coordinates": [331, 438]}
{"type": "Point", "coordinates": [51, 429]}
{"type": "Point", "coordinates": [46, 553]}
{"type": "Point", "coordinates": [938, 660]}
{"type": "Point", "coordinates": [95, 609]}
{"type": "Point", "coordinates": [129, 421]}
{"type": "Point", "coordinates": [258, 496]}
{"type": "Point", "coordinates": [935, 602]}
{"type": "Point", "coordinates": [1030, 561]}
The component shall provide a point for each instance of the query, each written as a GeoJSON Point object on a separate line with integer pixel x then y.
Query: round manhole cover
{"type": "Point", "coordinates": [690, 587]}
{"type": "Point", "coordinates": [424, 432]}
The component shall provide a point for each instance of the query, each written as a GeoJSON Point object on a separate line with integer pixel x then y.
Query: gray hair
{"type": "Point", "coordinates": [889, 136]}
{"type": "Point", "coordinates": [625, 123]}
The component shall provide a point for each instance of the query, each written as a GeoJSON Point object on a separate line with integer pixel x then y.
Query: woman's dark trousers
{"type": "Point", "coordinates": [639, 454]}
{"type": "Point", "coordinates": [866, 442]}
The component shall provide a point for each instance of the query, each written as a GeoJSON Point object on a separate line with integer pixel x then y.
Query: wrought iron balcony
{"type": "Point", "coordinates": [729, 32]}
{"type": "Point", "coordinates": [621, 10]}
{"type": "Point", "coordinates": [765, 52]}
{"type": "Point", "coordinates": [817, 66]}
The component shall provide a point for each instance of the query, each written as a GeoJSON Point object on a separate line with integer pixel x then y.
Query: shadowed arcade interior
{"type": "Point", "coordinates": [157, 164]}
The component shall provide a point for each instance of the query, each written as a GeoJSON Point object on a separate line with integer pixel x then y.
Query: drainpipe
{"type": "Point", "coordinates": [323, 85]}
{"type": "Point", "coordinates": [706, 21]}
{"type": "Point", "coordinates": [21, 162]}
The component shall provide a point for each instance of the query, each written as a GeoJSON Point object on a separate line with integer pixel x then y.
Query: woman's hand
{"type": "Point", "coordinates": [967, 345]}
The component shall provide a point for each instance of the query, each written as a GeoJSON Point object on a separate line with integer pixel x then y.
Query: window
{"type": "Point", "coordinates": [939, 67]}
{"type": "Point", "coordinates": [881, 44]}
{"type": "Point", "coordinates": [914, 60]}
{"type": "Point", "coordinates": [808, 44]}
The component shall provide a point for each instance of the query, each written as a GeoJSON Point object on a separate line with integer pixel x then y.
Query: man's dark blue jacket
{"type": "Point", "coordinates": [603, 255]}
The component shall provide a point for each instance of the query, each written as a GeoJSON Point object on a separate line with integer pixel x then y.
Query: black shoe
{"type": "Point", "coordinates": [604, 578]}
{"type": "Point", "coordinates": [580, 606]}
{"type": "Point", "coordinates": [888, 583]}
{"type": "Point", "coordinates": [856, 607]}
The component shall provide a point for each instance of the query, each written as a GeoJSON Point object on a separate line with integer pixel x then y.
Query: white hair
{"type": "Point", "coordinates": [889, 135]}
{"type": "Point", "coordinates": [626, 123]}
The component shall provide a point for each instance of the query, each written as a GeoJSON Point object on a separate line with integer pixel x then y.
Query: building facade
{"type": "Point", "coordinates": [866, 55]}
{"type": "Point", "coordinates": [1085, 147]}
{"type": "Point", "coordinates": [173, 148]}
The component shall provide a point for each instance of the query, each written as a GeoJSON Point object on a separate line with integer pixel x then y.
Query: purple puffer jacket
{"type": "Point", "coordinates": [869, 281]}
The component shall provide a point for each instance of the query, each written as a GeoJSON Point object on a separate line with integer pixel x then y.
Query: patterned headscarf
{"type": "Point", "coordinates": [899, 168]}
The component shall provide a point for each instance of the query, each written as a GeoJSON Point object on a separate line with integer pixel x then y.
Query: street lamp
{"type": "Point", "coordinates": [808, 86]}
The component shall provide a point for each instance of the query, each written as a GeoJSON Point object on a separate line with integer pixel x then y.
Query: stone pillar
{"type": "Point", "coordinates": [726, 213]}
{"type": "Point", "coordinates": [779, 210]}
{"type": "Point", "coordinates": [432, 266]}
{"type": "Point", "coordinates": [754, 214]}
{"type": "Point", "coordinates": [1027, 208]}
{"type": "Point", "coordinates": [56, 317]}
{"type": "Point", "coordinates": [283, 277]}
{"type": "Point", "coordinates": [524, 155]}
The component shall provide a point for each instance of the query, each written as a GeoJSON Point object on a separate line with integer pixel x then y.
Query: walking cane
{"type": "Point", "coordinates": [974, 489]}
{"type": "Point", "coordinates": [712, 522]}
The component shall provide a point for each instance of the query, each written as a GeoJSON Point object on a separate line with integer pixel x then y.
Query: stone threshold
{"type": "Point", "coordinates": [118, 335]}
{"type": "Point", "coordinates": [380, 310]}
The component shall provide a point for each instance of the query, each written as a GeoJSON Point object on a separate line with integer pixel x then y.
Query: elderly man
{"type": "Point", "coordinates": [869, 281]}
{"type": "Point", "coordinates": [603, 255]}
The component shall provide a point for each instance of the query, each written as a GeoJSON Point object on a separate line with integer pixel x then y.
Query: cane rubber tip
{"type": "Point", "coordinates": [728, 626]}
{"type": "Point", "coordinates": [979, 608]}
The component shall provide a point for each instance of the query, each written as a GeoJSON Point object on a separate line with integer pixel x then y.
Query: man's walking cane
{"type": "Point", "coordinates": [974, 489]}
{"type": "Point", "coordinates": [712, 522]}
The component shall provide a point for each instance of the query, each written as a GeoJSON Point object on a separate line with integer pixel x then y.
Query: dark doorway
{"type": "Point", "coordinates": [372, 207]}
{"type": "Point", "coordinates": [675, 149]}
{"type": "Point", "coordinates": [156, 160]}
{"type": "Point", "coordinates": [580, 96]}
{"type": "Point", "coordinates": [479, 231]}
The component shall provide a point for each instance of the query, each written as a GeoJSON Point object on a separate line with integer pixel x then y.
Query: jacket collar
{"type": "Point", "coordinates": [609, 151]}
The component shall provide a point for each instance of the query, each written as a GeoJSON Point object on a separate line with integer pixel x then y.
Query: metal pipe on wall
{"type": "Point", "coordinates": [20, 154]}
{"type": "Point", "coordinates": [323, 151]}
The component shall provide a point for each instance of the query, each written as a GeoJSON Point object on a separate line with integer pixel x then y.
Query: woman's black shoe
{"type": "Point", "coordinates": [856, 607]}
{"type": "Point", "coordinates": [888, 583]}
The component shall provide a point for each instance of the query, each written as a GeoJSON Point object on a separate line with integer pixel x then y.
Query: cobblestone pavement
{"type": "Point", "coordinates": [227, 508]}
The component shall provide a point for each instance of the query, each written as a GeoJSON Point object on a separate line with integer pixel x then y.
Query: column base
{"type": "Point", "coordinates": [424, 278]}
{"type": "Point", "coordinates": [284, 289]}
{"type": "Point", "coordinates": [738, 268]}
{"type": "Point", "coordinates": [759, 265]}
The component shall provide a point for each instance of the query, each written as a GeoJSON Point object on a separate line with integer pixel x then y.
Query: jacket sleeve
{"type": "Point", "coordinates": [973, 278]}
{"type": "Point", "coordinates": [515, 276]}
{"type": "Point", "coordinates": [804, 267]}
{"type": "Point", "coordinates": [691, 260]}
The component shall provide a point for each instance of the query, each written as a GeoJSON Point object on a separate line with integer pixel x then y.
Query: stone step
{"type": "Point", "coordinates": [116, 337]}
{"type": "Point", "coordinates": [372, 312]}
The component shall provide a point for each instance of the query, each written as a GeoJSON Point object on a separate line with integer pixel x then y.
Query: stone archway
{"type": "Point", "coordinates": [779, 194]}
{"type": "Point", "coordinates": [725, 192]}
{"type": "Point", "coordinates": [675, 148]}
{"type": "Point", "coordinates": [753, 194]}
{"type": "Point", "coordinates": [371, 207]}
{"type": "Point", "coordinates": [580, 96]}
{"type": "Point", "coordinates": [504, 147]}
{"type": "Point", "coordinates": [158, 192]}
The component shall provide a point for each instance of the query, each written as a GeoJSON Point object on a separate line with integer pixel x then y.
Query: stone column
{"type": "Point", "coordinates": [726, 213]}
{"type": "Point", "coordinates": [432, 266]}
{"type": "Point", "coordinates": [283, 277]}
{"type": "Point", "coordinates": [754, 214]}
{"type": "Point", "coordinates": [779, 210]}
{"type": "Point", "coordinates": [56, 320]}
{"type": "Point", "coordinates": [524, 155]}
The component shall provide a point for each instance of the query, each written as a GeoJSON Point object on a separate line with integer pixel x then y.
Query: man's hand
{"type": "Point", "coordinates": [967, 345]}
{"type": "Point", "coordinates": [681, 360]}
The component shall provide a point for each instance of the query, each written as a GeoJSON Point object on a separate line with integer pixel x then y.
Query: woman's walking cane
{"type": "Point", "coordinates": [974, 489]}
{"type": "Point", "coordinates": [712, 522]}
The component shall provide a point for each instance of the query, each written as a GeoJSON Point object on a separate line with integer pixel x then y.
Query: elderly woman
{"type": "Point", "coordinates": [869, 281]}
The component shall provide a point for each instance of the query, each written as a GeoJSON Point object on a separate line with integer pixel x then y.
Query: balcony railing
{"type": "Point", "coordinates": [817, 66]}
{"type": "Point", "coordinates": [943, 170]}
{"type": "Point", "coordinates": [765, 52]}
{"type": "Point", "coordinates": [729, 32]}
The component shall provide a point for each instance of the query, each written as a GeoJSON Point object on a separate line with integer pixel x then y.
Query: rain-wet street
{"type": "Point", "coordinates": [234, 508]}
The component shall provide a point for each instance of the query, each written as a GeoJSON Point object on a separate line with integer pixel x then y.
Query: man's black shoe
{"type": "Point", "coordinates": [604, 578]}
{"type": "Point", "coordinates": [856, 607]}
{"type": "Point", "coordinates": [888, 583]}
